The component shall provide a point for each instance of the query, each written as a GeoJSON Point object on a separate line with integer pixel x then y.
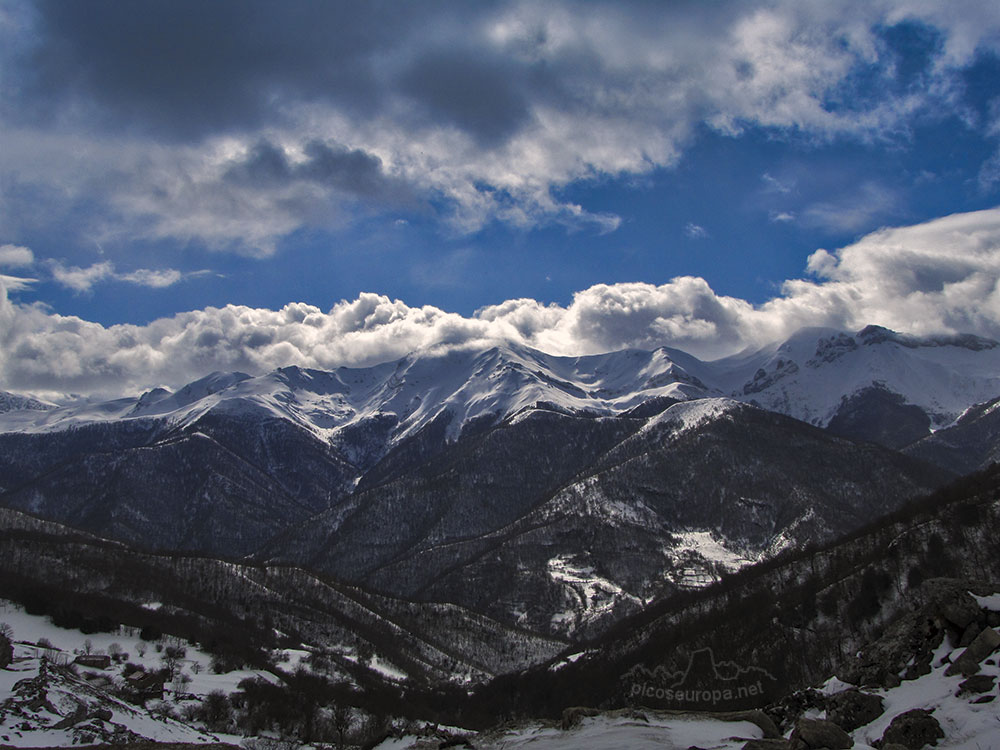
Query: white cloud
{"type": "Point", "coordinates": [868, 203]}
{"type": "Point", "coordinates": [610, 91]}
{"type": "Point", "coordinates": [938, 277]}
{"type": "Point", "coordinates": [781, 217]}
{"type": "Point", "coordinates": [15, 283]}
{"type": "Point", "coordinates": [16, 256]}
{"type": "Point", "coordinates": [82, 280]}
{"type": "Point", "coordinates": [695, 231]}
{"type": "Point", "coordinates": [774, 185]}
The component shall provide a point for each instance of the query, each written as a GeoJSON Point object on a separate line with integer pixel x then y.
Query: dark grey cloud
{"type": "Point", "coordinates": [187, 68]}
{"type": "Point", "coordinates": [132, 118]}
{"type": "Point", "coordinates": [482, 95]}
{"type": "Point", "coordinates": [329, 165]}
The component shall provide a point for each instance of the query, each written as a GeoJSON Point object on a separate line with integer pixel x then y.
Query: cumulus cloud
{"type": "Point", "coordinates": [16, 256]}
{"type": "Point", "coordinates": [939, 277]}
{"type": "Point", "coordinates": [269, 119]}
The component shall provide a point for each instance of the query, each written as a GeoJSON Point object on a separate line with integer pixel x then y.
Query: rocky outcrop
{"type": "Point", "coordinates": [913, 730]}
{"type": "Point", "coordinates": [812, 734]}
{"type": "Point", "coordinates": [944, 608]}
{"type": "Point", "coordinates": [984, 644]}
{"type": "Point", "coordinates": [851, 709]}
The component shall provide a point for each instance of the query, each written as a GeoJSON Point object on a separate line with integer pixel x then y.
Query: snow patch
{"type": "Point", "coordinates": [590, 596]}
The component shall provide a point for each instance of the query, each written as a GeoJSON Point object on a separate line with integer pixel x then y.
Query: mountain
{"type": "Point", "coordinates": [883, 604]}
{"type": "Point", "coordinates": [875, 384]}
{"type": "Point", "coordinates": [553, 493]}
{"type": "Point", "coordinates": [14, 402]}
{"type": "Point", "coordinates": [820, 376]}
{"type": "Point", "coordinates": [564, 524]}
{"type": "Point", "coordinates": [972, 443]}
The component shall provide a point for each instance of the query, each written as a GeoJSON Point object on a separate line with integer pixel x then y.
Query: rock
{"type": "Point", "coordinates": [754, 716]}
{"type": "Point", "coordinates": [985, 699]}
{"type": "Point", "coordinates": [819, 733]}
{"type": "Point", "coordinates": [980, 683]}
{"type": "Point", "coordinates": [6, 651]}
{"type": "Point", "coordinates": [768, 744]}
{"type": "Point", "coordinates": [913, 730]}
{"type": "Point", "coordinates": [959, 608]}
{"type": "Point", "coordinates": [571, 716]}
{"type": "Point", "coordinates": [970, 635]}
{"type": "Point", "coordinates": [851, 709]}
{"type": "Point", "coordinates": [791, 708]}
{"type": "Point", "coordinates": [968, 663]}
{"type": "Point", "coordinates": [894, 746]}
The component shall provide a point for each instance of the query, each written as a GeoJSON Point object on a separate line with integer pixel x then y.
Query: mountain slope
{"type": "Point", "coordinates": [800, 618]}
{"type": "Point", "coordinates": [818, 375]}
{"type": "Point", "coordinates": [565, 524]}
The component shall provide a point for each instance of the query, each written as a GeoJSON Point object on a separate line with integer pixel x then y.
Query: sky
{"type": "Point", "coordinates": [189, 186]}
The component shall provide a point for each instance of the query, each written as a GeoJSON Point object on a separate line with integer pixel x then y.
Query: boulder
{"type": "Point", "coordinates": [980, 683]}
{"type": "Point", "coordinates": [913, 730]}
{"type": "Point", "coordinates": [754, 716]}
{"type": "Point", "coordinates": [768, 744]}
{"type": "Point", "coordinates": [6, 651]}
{"type": "Point", "coordinates": [851, 709]}
{"type": "Point", "coordinates": [968, 663]}
{"type": "Point", "coordinates": [958, 608]}
{"type": "Point", "coordinates": [571, 716]}
{"type": "Point", "coordinates": [819, 733]}
{"type": "Point", "coordinates": [969, 635]}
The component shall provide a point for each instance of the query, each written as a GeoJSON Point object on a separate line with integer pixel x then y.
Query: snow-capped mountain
{"type": "Point", "coordinates": [555, 492]}
{"type": "Point", "coordinates": [820, 376]}
{"type": "Point", "coordinates": [469, 385]}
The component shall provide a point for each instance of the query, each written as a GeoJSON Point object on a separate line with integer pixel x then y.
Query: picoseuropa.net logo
{"type": "Point", "coordinates": [705, 685]}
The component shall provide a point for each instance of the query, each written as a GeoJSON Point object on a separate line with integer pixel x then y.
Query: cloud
{"type": "Point", "coordinates": [82, 280]}
{"type": "Point", "coordinates": [939, 277]}
{"type": "Point", "coordinates": [235, 124]}
{"type": "Point", "coordinates": [781, 217]}
{"type": "Point", "coordinates": [15, 283]}
{"type": "Point", "coordinates": [16, 256]}
{"type": "Point", "coordinates": [863, 206]}
{"type": "Point", "coordinates": [695, 231]}
{"type": "Point", "coordinates": [774, 185]}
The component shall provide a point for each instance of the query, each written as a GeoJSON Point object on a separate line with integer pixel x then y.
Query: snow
{"type": "Point", "coordinates": [663, 732]}
{"type": "Point", "coordinates": [991, 602]}
{"type": "Point", "coordinates": [966, 725]}
{"type": "Point", "coordinates": [942, 378]}
{"type": "Point", "coordinates": [28, 630]}
{"type": "Point", "coordinates": [698, 555]}
{"type": "Point", "coordinates": [806, 377]}
{"type": "Point", "coordinates": [688, 415]}
{"type": "Point", "coordinates": [589, 596]}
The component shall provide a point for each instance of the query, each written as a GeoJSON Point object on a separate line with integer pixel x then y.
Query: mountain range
{"type": "Point", "coordinates": [555, 494]}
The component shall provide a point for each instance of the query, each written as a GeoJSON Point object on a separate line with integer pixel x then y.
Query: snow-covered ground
{"type": "Point", "coordinates": [68, 644]}
{"type": "Point", "coordinates": [588, 596]}
{"type": "Point", "coordinates": [967, 725]}
{"type": "Point", "coordinates": [661, 732]}
{"type": "Point", "coordinates": [37, 640]}
{"type": "Point", "coordinates": [699, 557]}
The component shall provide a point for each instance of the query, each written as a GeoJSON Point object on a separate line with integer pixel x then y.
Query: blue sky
{"type": "Point", "coordinates": [576, 176]}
